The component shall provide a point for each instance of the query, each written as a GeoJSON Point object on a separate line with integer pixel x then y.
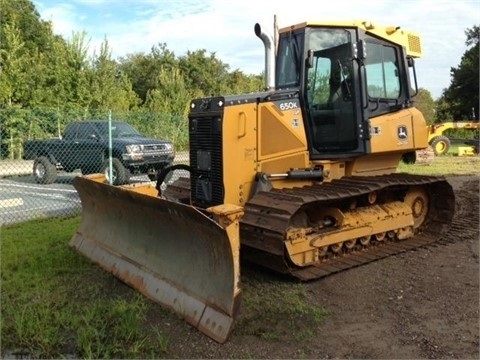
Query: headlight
{"type": "Point", "coordinates": [168, 146]}
{"type": "Point", "coordinates": [133, 149]}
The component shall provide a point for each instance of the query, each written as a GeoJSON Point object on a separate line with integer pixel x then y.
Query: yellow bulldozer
{"type": "Point", "coordinates": [299, 178]}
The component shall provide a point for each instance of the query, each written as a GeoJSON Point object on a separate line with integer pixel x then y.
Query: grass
{"type": "Point", "coordinates": [277, 309]}
{"type": "Point", "coordinates": [448, 164]}
{"type": "Point", "coordinates": [55, 303]}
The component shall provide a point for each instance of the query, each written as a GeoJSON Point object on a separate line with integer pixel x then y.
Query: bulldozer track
{"type": "Point", "coordinates": [362, 257]}
{"type": "Point", "coordinates": [268, 215]}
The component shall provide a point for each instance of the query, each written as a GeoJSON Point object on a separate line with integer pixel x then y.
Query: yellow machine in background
{"type": "Point", "coordinates": [441, 144]}
{"type": "Point", "coordinates": [299, 178]}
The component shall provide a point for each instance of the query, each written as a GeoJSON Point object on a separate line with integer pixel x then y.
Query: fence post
{"type": "Point", "coordinates": [110, 171]}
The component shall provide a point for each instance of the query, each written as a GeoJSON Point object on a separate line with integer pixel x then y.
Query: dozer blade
{"type": "Point", "coordinates": [170, 252]}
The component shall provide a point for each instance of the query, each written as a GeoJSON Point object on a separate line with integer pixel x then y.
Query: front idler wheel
{"type": "Point", "coordinates": [418, 200]}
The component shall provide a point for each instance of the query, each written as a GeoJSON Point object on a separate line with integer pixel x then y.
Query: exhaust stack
{"type": "Point", "coordinates": [269, 57]}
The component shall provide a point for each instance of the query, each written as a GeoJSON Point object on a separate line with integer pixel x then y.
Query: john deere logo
{"type": "Point", "coordinates": [402, 132]}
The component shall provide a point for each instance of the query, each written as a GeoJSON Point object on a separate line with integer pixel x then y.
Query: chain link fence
{"type": "Point", "coordinates": [42, 151]}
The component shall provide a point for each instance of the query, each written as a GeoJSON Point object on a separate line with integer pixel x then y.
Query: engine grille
{"type": "Point", "coordinates": [206, 159]}
{"type": "Point", "coordinates": [154, 147]}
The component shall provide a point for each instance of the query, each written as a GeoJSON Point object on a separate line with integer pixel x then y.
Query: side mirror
{"type": "Point", "coordinates": [413, 73]}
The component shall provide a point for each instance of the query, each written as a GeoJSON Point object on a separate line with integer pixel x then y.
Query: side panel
{"type": "Point", "coordinates": [282, 142]}
{"type": "Point", "coordinates": [280, 129]}
{"type": "Point", "coordinates": [420, 129]}
{"type": "Point", "coordinates": [392, 135]}
{"type": "Point", "coordinates": [402, 131]}
{"type": "Point", "coordinates": [239, 152]}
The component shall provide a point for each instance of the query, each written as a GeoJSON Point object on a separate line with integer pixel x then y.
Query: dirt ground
{"type": "Point", "coordinates": [419, 304]}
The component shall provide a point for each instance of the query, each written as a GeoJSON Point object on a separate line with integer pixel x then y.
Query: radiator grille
{"type": "Point", "coordinates": [206, 160]}
{"type": "Point", "coordinates": [414, 44]}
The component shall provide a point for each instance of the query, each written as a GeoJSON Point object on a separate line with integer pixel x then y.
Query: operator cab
{"type": "Point", "coordinates": [345, 76]}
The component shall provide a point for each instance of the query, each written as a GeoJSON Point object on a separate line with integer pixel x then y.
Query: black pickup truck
{"type": "Point", "coordinates": [85, 146]}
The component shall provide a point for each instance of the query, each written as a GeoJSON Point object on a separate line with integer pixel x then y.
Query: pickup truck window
{"type": "Point", "coordinates": [77, 131]}
{"type": "Point", "coordinates": [86, 132]}
{"type": "Point", "coordinates": [118, 130]}
{"type": "Point", "coordinates": [70, 132]}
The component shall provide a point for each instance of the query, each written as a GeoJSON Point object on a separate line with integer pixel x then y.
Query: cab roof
{"type": "Point", "coordinates": [410, 40]}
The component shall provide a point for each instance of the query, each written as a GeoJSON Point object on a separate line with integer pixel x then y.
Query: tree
{"type": "Point", "coordinates": [206, 73]}
{"type": "Point", "coordinates": [172, 95]}
{"type": "Point", "coordinates": [35, 32]}
{"type": "Point", "coordinates": [77, 71]}
{"type": "Point", "coordinates": [460, 101]}
{"type": "Point", "coordinates": [425, 103]}
{"type": "Point", "coordinates": [238, 82]}
{"type": "Point", "coordinates": [143, 70]}
{"type": "Point", "coordinates": [31, 57]}
{"type": "Point", "coordinates": [110, 88]}
{"type": "Point", "coordinates": [12, 65]}
{"type": "Point", "coordinates": [169, 105]}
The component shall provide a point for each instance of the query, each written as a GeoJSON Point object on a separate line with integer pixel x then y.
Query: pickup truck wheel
{"type": "Point", "coordinates": [120, 175]}
{"type": "Point", "coordinates": [44, 171]}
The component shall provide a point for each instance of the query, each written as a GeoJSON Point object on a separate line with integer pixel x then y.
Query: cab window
{"type": "Point", "coordinates": [382, 72]}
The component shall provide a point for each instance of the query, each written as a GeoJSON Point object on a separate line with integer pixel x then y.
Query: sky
{"type": "Point", "coordinates": [225, 27]}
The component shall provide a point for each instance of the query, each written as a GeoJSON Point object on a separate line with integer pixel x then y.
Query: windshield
{"type": "Point", "coordinates": [332, 66]}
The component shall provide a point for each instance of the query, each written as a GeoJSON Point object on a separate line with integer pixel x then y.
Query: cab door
{"type": "Point", "coordinates": [331, 104]}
